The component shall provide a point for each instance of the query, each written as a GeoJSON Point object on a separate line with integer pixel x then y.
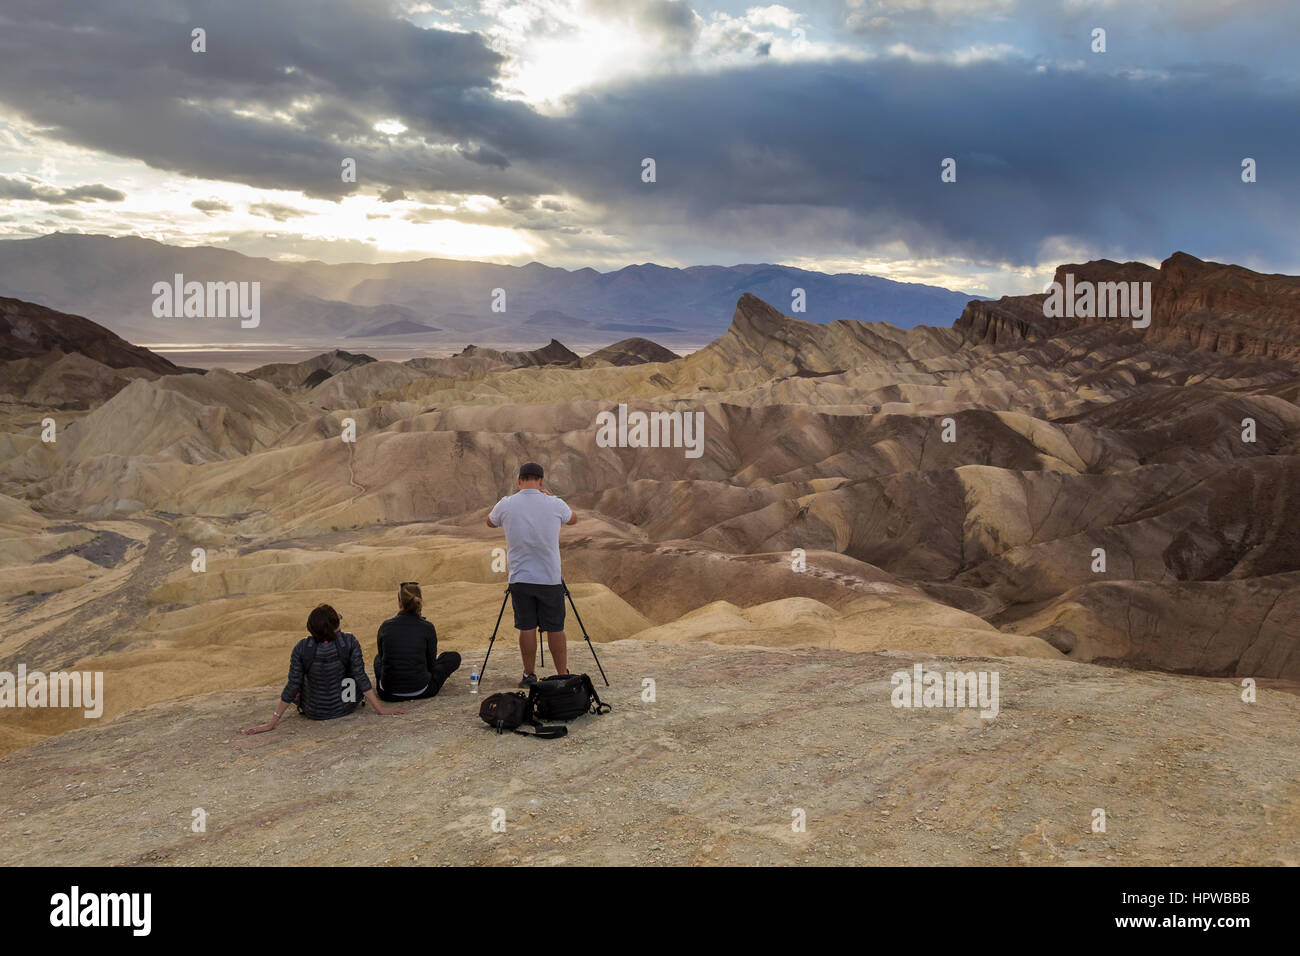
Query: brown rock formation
{"type": "Point", "coordinates": [28, 330]}
{"type": "Point", "coordinates": [1220, 308]}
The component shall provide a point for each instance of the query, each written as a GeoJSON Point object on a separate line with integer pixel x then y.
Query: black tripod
{"type": "Point", "coordinates": [577, 617]}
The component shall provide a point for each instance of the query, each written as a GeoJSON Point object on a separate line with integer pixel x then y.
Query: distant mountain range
{"type": "Point", "coordinates": [59, 360]}
{"type": "Point", "coordinates": [436, 302]}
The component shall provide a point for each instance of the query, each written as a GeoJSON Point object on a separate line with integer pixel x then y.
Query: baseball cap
{"type": "Point", "coordinates": [530, 469]}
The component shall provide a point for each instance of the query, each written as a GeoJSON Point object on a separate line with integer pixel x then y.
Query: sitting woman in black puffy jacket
{"type": "Point", "coordinates": [408, 666]}
{"type": "Point", "coordinates": [326, 672]}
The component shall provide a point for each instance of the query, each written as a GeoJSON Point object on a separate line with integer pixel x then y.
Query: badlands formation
{"type": "Point", "coordinates": [1072, 503]}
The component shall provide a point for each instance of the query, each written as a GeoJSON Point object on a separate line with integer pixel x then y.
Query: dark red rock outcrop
{"type": "Point", "coordinates": [1221, 308]}
{"type": "Point", "coordinates": [28, 330]}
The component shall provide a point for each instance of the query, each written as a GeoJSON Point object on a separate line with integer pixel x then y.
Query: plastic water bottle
{"type": "Point", "coordinates": [473, 679]}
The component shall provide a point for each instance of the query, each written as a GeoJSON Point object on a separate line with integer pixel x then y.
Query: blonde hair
{"type": "Point", "coordinates": [408, 595]}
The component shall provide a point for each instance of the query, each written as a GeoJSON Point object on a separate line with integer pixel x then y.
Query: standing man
{"type": "Point", "coordinates": [532, 517]}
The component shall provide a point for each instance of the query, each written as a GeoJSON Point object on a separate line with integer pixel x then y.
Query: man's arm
{"type": "Point", "coordinates": [573, 515]}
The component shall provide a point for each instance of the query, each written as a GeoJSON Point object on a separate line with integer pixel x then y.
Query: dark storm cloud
{"type": "Point", "coordinates": [20, 187]}
{"type": "Point", "coordinates": [1139, 164]}
{"type": "Point", "coordinates": [122, 78]}
{"type": "Point", "coordinates": [484, 156]}
{"type": "Point", "coordinates": [812, 158]}
{"type": "Point", "coordinates": [1060, 27]}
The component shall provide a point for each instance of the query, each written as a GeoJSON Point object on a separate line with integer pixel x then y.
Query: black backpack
{"type": "Point", "coordinates": [566, 696]}
{"type": "Point", "coordinates": [508, 711]}
{"type": "Point", "coordinates": [309, 658]}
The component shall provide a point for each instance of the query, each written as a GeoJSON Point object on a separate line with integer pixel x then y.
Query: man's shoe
{"type": "Point", "coordinates": [528, 680]}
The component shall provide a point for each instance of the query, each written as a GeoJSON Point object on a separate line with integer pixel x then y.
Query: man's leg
{"type": "Point", "coordinates": [525, 604]}
{"type": "Point", "coordinates": [528, 649]}
{"type": "Point", "coordinates": [550, 617]}
{"type": "Point", "coordinates": [559, 651]}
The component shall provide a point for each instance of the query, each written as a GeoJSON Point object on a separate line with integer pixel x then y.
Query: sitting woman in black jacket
{"type": "Point", "coordinates": [408, 665]}
{"type": "Point", "coordinates": [326, 672]}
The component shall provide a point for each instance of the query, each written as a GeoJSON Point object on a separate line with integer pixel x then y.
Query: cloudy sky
{"type": "Point", "coordinates": [810, 133]}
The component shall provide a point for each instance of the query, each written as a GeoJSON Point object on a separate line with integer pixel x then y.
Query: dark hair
{"type": "Point", "coordinates": [409, 596]}
{"type": "Point", "coordinates": [323, 622]}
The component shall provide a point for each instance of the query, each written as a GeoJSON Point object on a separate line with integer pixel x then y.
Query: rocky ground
{"type": "Point", "coordinates": [711, 772]}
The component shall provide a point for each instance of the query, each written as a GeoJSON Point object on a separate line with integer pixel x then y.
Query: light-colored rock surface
{"type": "Point", "coordinates": [709, 773]}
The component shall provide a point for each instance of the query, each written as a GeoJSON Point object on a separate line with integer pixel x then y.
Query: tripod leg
{"type": "Point", "coordinates": [483, 669]}
{"type": "Point", "coordinates": [578, 617]}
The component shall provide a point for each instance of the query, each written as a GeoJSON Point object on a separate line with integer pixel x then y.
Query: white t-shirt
{"type": "Point", "coordinates": [532, 522]}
